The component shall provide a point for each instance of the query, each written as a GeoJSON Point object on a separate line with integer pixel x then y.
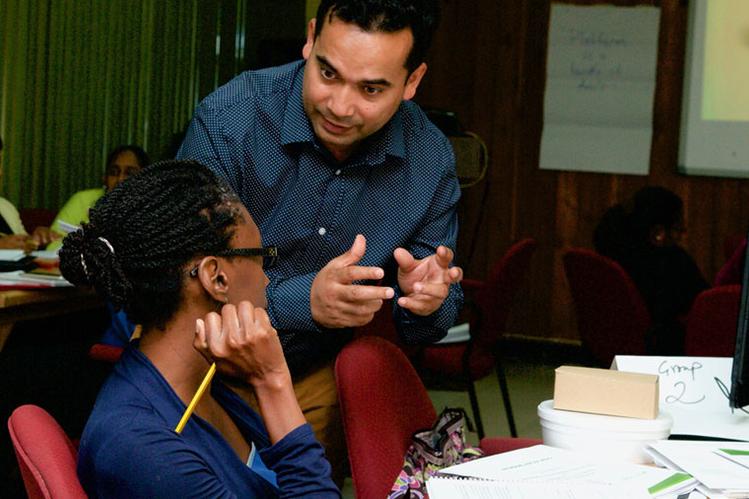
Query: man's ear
{"type": "Point", "coordinates": [213, 278]}
{"type": "Point", "coordinates": [307, 49]}
{"type": "Point", "coordinates": [658, 236]}
{"type": "Point", "coordinates": [412, 83]}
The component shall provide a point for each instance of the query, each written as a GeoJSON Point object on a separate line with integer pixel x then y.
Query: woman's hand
{"type": "Point", "coordinates": [243, 344]}
{"type": "Point", "coordinates": [42, 236]}
{"type": "Point", "coordinates": [13, 241]}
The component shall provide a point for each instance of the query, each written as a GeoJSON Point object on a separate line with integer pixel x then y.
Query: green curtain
{"type": "Point", "coordinates": [79, 77]}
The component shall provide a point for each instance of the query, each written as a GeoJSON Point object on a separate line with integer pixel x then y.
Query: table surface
{"type": "Point", "coordinates": [28, 304]}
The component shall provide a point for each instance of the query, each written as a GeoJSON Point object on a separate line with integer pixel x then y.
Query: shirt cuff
{"type": "Point", "coordinates": [289, 303]}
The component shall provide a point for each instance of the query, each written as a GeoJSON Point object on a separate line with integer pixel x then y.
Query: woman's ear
{"type": "Point", "coordinates": [213, 278]}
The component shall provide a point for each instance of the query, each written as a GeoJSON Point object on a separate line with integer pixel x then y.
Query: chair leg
{"type": "Point", "coordinates": [505, 396]}
{"type": "Point", "coordinates": [475, 409]}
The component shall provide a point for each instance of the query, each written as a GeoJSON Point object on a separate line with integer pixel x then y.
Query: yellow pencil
{"type": "Point", "coordinates": [196, 398]}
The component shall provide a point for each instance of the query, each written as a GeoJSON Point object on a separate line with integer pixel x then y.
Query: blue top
{"type": "Point", "coordinates": [398, 189]}
{"type": "Point", "coordinates": [129, 447]}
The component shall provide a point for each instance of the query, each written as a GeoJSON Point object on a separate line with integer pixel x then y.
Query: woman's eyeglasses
{"type": "Point", "coordinates": [269, 254]}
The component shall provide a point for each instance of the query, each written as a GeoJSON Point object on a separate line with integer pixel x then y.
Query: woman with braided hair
{"type": "Point", "coordinates": [182, 255]}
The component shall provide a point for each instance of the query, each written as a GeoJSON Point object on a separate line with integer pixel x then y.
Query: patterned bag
{"type": "Point", "coordinates": [433, 450]}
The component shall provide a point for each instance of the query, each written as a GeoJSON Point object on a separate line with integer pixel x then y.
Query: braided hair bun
{"type": "Point", "coordinates": [144, 233]}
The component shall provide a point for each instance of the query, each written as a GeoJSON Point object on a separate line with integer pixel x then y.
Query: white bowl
{"type": "Point", "coordinates": [613, 438]}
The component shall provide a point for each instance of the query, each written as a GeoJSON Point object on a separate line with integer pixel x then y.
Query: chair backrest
{"type": "Point", "coordinates": [36, 217]}
{"type": "Point", "coordinates": [46, 456]}
{"type": "Point", "coordinates": [711, 323]}
{"type": "Point", "coordinates": [612, 317]}
{"type": "Point", "coordinates": [383, 402]}
{"type": "Point", "coordinates": [496, 297]}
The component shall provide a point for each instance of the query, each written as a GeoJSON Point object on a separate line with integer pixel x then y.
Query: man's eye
{"type": "Point", "coordinates": [327, 74]}
{"type": "Point", "coordinates": [372, 90]}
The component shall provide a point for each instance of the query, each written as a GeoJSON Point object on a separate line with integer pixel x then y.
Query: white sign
{"type": "Point", "coordinates": [694, 390]}
{"type": "Point", "coordinates": [600, 83]}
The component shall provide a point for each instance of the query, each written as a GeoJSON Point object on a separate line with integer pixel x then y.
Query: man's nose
{"type": "Point", "coordinates": [342, 103]}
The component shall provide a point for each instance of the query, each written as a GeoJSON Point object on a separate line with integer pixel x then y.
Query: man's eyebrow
{"type": "Point", "coordinates": [324, 62]}
{"type": "Point", "coordinates": [380, 81]}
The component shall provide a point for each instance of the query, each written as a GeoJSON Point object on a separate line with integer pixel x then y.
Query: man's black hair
{"type": "Point", "coordinates": [421, 16]}
{"type": "Point", "coordinates": [144, 233]}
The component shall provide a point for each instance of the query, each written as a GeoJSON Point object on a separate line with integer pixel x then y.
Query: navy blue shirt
{"type": "Point", "coordinates": [129, 447]}
{"type": "Point", "coordinates": [398, 189]}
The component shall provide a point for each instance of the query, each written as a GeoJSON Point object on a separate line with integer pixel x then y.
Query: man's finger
{"type": "Point", "coordinates": [359, 273]}
{"type": "Point", "coordinates": [359, 293]}
{"type": "Point", "coordinates": [444, 256]}
{"type": "Point", "coordinates": [405, 260]}
{"type": "Point", "coordinates": [354, 254]}
{"type": "Point", "coordinates": [432, 289]}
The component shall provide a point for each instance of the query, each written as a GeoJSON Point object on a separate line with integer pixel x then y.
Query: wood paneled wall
{"type": "Point", "coordinates": [488, 64]}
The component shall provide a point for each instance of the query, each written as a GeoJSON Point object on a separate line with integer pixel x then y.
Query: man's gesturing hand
{"type": "Point", "coordinates": [336, 301]}
{"type": "Point", "coordinates": [425, 283]}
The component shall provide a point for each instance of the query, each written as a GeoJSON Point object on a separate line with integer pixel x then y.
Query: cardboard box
{"type": "Point", "coordinates": [603, 391]}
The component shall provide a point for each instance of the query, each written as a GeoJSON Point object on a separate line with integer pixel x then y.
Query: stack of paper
{"type": "Point", "coordinates": [21, 279]}
{"type": "Point", "coordinates": [11, 255]}
{"type": "Point", "coordinates": [543, 471]}
{"type": "Point", "coordinates": [720, 467]}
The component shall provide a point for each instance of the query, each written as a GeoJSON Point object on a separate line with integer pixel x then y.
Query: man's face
{"type": "Point", "coordinates": [354, 82]}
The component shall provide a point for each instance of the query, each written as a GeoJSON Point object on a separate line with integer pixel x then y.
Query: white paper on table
{"type": "Point", "coordinates": [736, 452]}
{"type": "Point", "coordinates": [544, 464]}
{"type": "Point", "coordinates": [694, 390]}
{"type": "Point", "coordinates": [700, 460]}
{"type": "Point", "coordinates": [11, 255]}
{"type": "Point", "coordinates": [452, 488]}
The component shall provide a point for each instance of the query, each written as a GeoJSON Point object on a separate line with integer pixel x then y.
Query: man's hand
{"type": "Point", "coordinates": [336, 301]}
{"type": "Point", "coordinates": [425, 283]}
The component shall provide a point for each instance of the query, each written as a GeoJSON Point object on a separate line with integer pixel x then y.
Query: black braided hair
{"type": "Point", "coordinates": [156, 222]}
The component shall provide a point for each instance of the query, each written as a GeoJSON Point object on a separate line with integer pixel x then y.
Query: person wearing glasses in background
{"type": "Point", "coordinates": [183, 256]}
{"type": "Point", "coordinates": [350, 180]}
{"type": "Point", "coordinates": [13, 234]}
{"type": "Point", "coordinates": [122, 162]}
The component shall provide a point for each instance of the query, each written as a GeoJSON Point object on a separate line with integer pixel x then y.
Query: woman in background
{"type": "Point", "coordinates": [122, 162]}
{"type": "Point", "coordinates": [643, 235]}
{"type": "Point", "coordinates": [183, 256]}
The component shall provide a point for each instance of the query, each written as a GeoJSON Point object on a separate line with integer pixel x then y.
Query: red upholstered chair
{"type": "Point", "coordinates": [383, 403]}
{"type": "Point", "coordinates": [612, 317]}
{"type": "Point", "coordinates": [46, 456]}
{"type": "Point", "coordinates": [105, 353]}
{"type": "Point", "coordinates": [477, 356]}
{"type": "Point", "coordinates": [711, 323]}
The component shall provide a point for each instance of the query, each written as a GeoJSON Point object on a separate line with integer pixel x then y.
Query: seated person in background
{"type": "Point", "coordinates": [12, 232]}
{"type": "Point", "coordinates": [183, 256]}
{"type": "Point", "coordinates": [643, 235]}
{"type": "Point", "coordinates": [122, 161]}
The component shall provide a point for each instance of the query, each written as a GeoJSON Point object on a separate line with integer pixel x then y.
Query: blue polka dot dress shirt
{"type": "Point", "coordinates": [399, 189]}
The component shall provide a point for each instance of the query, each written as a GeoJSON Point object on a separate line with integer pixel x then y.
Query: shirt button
{"type": "Point", "coordinates": [321, 231]}
{"type": "Point", "coordinates": [338, 172]}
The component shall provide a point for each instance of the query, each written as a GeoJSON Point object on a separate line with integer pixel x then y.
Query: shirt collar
{"type": "Point", "coordinates": [388, 141]}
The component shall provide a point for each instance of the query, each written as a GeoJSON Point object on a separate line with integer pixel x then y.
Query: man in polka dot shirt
{"type": "Point", "coordinates": [352, 183]}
